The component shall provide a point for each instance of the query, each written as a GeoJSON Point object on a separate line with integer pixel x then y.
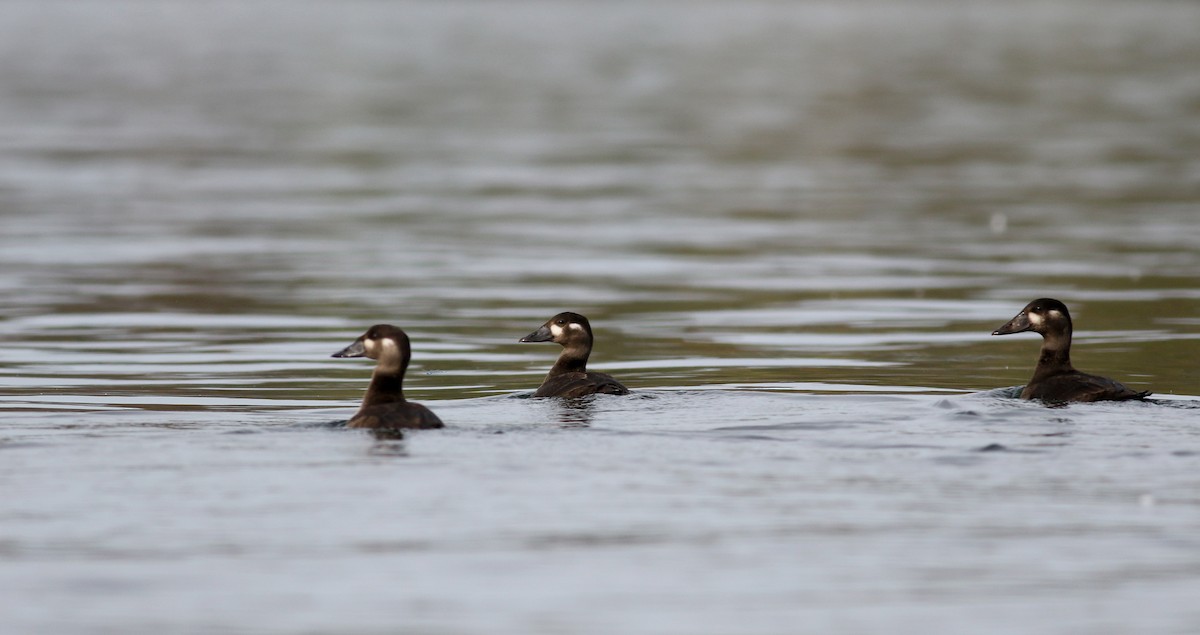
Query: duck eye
{"type": "Point", "coordinates": [560, 322]}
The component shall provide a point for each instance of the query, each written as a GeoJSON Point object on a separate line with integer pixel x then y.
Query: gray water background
{"type": "Point", "coordinates": [793, 226]}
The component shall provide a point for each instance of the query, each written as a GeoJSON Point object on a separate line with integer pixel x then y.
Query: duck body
{"type": "Point", "coordinates": [1055, 380]}
{"type": "Point", "coordinates": [1076, 386]}
{"type": "Point", "coordinates": [569, 376]}
{"type": "Point", "coordinates": [580, 385]}
{"type": "Point", "coordinates": [384, 405]}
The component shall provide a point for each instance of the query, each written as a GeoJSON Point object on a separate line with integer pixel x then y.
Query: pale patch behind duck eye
{"type": "Point", "coordinates": [389, 358]}
{"type": "Point", "coordinates": [575, 326]}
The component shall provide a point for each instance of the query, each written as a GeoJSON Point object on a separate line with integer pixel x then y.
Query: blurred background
{"type": "Point", "coordinates": [201, 201]}
{"type": "Point", "coordinates": [882, 182]}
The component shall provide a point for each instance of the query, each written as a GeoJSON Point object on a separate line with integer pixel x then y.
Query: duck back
{"type": "Point", "coordinates": [395, 415]}
{"type": "Point", "coordinates": [1075, 386]}
{"type": "Point", "coordinates": [580, 385]}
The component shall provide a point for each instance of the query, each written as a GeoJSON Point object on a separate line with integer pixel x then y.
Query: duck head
{"type": "Point", "coordinates": [1044, 316]}
{"type": "Point", "coordinates": [383, 342]}
{"type": "Point", "coordinates": [568, 329]}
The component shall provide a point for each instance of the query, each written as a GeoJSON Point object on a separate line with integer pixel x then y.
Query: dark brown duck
{"type": "Point", "coordinates": [1055, 380]}
{"type": "Point", "coordinates": [384, 406]}
{"type": "Point", "coordinates": [569, 377]}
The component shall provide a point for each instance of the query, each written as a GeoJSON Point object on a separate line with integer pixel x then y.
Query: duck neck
{"type": "Point", "coordinates": [572, 360]}
{"type": "Point", "coordinates": [1056, 354]}
{"type": "Point", "coordinates": [387, 384]}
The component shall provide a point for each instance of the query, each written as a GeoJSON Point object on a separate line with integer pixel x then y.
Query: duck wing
{"type": "Point", "coordinates": [396, 415]}
{"type": "Point", "coordinates": [580, 385]}
{"type": "Point", "coordinates": [1080, 387]}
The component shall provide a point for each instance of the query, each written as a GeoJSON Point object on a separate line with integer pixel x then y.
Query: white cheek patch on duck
{"type": "Point", "coordinates": [1056, 314]}
{"type": "Point", "coordinates": [556, 330]}
{"type": "Point", "coordinates": [389, 357]}
{"type": "Point", "coordinates": [575, 326]}
{"type": "Point", "coordinates": [1036, 318]}
{"type": "Point", "coordinates": [369, 346]}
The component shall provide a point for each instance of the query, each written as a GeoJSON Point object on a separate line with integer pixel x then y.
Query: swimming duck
{"type": "Point", "coordinates": [569, 377]}
{"type": "Point", "coordinates": [384, 406]}
{"type": "Point", "coordinates": [1055, 380]}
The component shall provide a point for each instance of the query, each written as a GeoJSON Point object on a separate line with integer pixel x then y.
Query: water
{"type": "Point", "coordinates": [792, 225]}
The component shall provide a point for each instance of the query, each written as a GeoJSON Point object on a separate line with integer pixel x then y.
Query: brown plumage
{"type": "Point", "coordinates": [569, 377]}
{"type": "Point", "coordinates": [384, 405]}
{"type": "Point", "coordinates": [1055, 380]}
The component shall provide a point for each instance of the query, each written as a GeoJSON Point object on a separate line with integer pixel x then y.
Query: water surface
{"type": "Point", "coordinates": [793, 226]}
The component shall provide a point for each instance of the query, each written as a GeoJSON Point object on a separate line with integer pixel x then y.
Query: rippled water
{"type": "Point", "coordinates": [793, 225]}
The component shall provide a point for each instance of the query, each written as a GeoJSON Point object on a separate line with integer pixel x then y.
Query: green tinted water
{"type": "Point", "coordinates": [793, 227]}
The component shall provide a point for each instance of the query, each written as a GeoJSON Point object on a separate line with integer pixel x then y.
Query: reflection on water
{"type": "Point", "coordinates": [388, 442]}
{"type": "Point", "coordinates": [792, 225]}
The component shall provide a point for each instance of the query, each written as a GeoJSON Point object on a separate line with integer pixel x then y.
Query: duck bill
{"type": "Point", "coordinates": [354, 350]}
{"type": "Point", "coordinates": [541, 335]}
{"type": "Point", "coordinates": [1019, 324]}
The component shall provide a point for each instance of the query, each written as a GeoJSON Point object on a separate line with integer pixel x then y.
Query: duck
{"type": "Point", "coordinates": [384, 406]}
{"type": "Point", "coordinates": [569, 377]}
{"type": "Point", "coordinates": [1055, 380]}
